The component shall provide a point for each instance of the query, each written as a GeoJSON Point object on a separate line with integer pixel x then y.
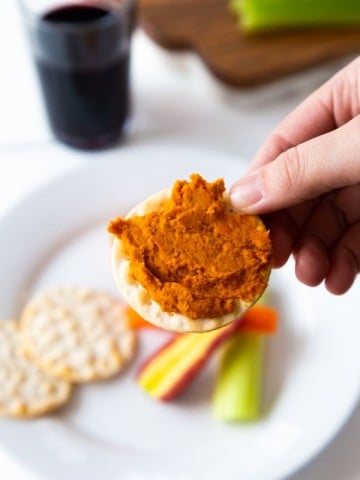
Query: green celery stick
{"type": "Point", "coordinates": [237, 392]}
{"type": "Point", "coordinates": [257, 15]}
{"type": "Point", "coordinates": [263, 300]}
{"type": "Point", "coordinates": [236, 6]}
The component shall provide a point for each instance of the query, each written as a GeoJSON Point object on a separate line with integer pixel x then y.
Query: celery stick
{"type": "Point", "coordinates": [257, 15]}
{"type": "Point", "coordinates": [236, 6]}
{"type": "Point", "coordinates": [263, 300]}
{"type": "Point", "coordinates": [237, 392]}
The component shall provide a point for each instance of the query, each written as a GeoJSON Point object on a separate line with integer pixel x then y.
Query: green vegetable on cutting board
{"type": "Point", "coordinates": [238, 386]}
{"type": "Point", "coordinates": [263, 15]}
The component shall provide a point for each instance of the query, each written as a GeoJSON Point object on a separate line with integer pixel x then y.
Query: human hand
{"type": "Point", "coordinates": [305, 182]}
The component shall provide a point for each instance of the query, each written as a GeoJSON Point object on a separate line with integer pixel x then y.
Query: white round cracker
{"type": "Point", "coordinates": [26, 390]}
{"type": "Point", "coordinates": [139, 298]}
{"type": "Point", "coordinates": [77, 334]}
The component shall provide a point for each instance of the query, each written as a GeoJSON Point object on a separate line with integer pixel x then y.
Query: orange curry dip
{"type": "Point", "coordinates": [193, 256]}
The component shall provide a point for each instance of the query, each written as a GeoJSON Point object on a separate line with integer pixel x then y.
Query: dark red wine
{"type": "Point", "coordinates": [75, 14]}
{"type": "Point", "coordinates": [83, 66]}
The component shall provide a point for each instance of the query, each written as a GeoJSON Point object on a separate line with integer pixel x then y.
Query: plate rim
{"type": "Point", "coordinates": [76, 172]}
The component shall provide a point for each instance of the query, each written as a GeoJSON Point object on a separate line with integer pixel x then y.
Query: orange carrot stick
{"type": "Point", "coordinates": [260, 319]}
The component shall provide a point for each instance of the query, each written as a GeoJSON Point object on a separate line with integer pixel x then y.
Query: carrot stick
{"type": "Point", "coordinates": [258, 319]}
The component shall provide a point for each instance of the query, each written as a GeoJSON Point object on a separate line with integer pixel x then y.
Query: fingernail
{"type": "Point", "coordinates": [246, 192]}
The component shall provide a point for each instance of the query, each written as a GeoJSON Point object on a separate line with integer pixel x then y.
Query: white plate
{"type": "Point", "coordinates": [112, 430]}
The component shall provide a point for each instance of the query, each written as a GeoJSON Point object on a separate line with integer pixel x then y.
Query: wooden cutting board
{"type": "Point", "coordinates": [208, 27]}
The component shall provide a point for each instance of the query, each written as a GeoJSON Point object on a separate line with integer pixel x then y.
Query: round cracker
{"type": "Point", "coordinates": [77, 334]}
{"type": "Point", "coordinates": [139, 298]}
{"type": "Point", "coordinates": [26, 390]}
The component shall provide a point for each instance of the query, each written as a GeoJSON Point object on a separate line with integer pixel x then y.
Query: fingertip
{"type": "Point", "coordinates": [246, 194]}
{"type": "Point", "coordinates": [342, 273]}
{"type": "Point", "coordinates": [312, 263]}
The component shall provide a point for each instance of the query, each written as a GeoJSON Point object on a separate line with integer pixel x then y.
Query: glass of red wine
{"type": "Point", "coordinates": [82, 55]}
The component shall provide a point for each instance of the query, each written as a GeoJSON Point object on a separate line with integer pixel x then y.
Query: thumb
{"type": "Point", "coordinates": [303, 172]}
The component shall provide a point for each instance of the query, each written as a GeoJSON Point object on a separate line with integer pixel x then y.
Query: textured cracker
{"type": "Point", "coordinates": [25, 389]}
{"type": "Point", "coordinates": [139, 298]}
{"type": "Point", "coordinates": [77, 334]}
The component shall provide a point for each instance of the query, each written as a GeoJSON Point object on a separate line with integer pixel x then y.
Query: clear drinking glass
{"type": "Point", "coordinates": [82, 54]}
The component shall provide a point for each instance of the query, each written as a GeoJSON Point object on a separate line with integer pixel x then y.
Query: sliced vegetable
{"type": "Point", "coordinates": [264, 299]}
{"type": "Point", "coordinates": [173, 367]}
{"type": "Point", "coordinates": [237, 392]}
{"type": "Point", "coordinates": [260, 319]}
{"type": "Point", "coordinates": [260, 15]}
{"type": "Point", "coordinates": [170, 369]}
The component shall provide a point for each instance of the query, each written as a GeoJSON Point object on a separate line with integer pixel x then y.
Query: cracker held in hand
{"type": "Point", "coordinates": [25, 389]}
{"type": "Point", "coordinates": [186, 262]}
{"type": "Point", "coordinates": [77, 334]}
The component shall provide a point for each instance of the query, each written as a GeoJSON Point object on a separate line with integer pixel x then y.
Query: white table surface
{"type": "Point", "coordinates": [176, 102]}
